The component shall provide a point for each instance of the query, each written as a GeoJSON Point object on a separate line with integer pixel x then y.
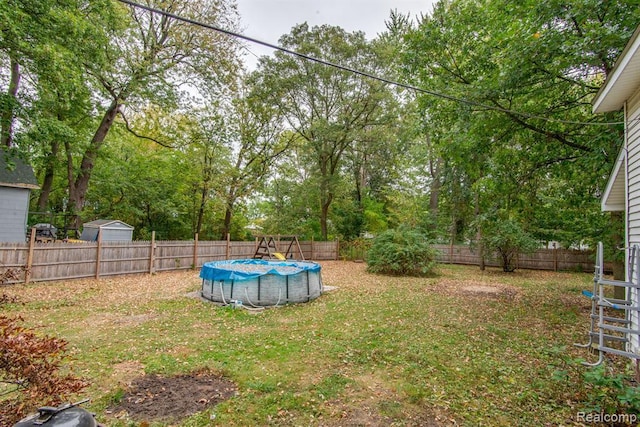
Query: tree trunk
{"type": "Point", "coordinates": [226, 228]}
{"type": "Point", "coordinates": [47, 183]}
{"type": "Point", "coordinates": [228, 212]}
{"type": "Point", "coordinates": [324, 216]}
{"type": "Point", "coordinates": [434, 190]}
{"type": "Point", "coordinates": [7, 117]}
{"type": "Point", "coordinates": [207, 168]}
{"type": "Point", "coordinates": [359, 178]}
{"type": "Point", "coordinates": [203, 202]}
{"type": "Point", "coordinates": [479, 235]}
{"type": "Point", "coordinates": [434, 196]}
{"type": "Point", "coordinates": [454, 230]}
{"type": "Point", "coordinates": [79, 185]}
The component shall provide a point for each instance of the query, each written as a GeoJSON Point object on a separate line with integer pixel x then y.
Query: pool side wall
{"type": "Point", "coordinates": [266, 290]}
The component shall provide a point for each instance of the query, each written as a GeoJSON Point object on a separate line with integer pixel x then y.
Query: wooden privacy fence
{"type": "Point", "coordinates": [542, 259]}
{"type": "Point", "coordinates": [40, 262]}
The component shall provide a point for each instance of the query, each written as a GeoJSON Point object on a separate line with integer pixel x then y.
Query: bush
{"type": "Point", "coordinates": [355, 250]}
{"type": "Point", "coordinates": [30, 368]}
{"type": "Point", "coordinates": [611, 392]}
{"type": "Point", "coordinates": [505, 238]}
{"type": "Point", "coordinates": [401, 251]}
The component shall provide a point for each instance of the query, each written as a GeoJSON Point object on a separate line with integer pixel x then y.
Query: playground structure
{"type": "Point", "coordinates": [268, 246]}
{"type": "Point", "coordinates": [614, 323]}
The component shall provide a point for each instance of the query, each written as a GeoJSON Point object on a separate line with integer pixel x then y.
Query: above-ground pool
{"type": "Point", "coordinates": [258, 282]}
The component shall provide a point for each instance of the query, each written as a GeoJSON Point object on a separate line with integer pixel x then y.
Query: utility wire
{"type": "Point", "coordinates": [361, 73]}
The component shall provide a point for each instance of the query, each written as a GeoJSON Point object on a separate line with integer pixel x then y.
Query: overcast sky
{"type": "Point", "coordinates": [267, 20]}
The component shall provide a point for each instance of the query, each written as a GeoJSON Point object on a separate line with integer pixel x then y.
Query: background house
{"type": "Point", "coordinates": [16, 182]}
{"type": "Point", "coordinates": [621, 91]}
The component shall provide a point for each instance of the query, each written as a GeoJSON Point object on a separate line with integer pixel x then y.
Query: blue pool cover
{"type": "Point", "coordinates": [244, 269]}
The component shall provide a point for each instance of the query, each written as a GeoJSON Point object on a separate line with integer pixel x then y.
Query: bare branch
{"type": "Point", "coordinates": [137, 135]}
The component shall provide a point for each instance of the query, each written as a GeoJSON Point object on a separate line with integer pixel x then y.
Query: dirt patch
{"type": "Point", "coordinates": [373, 403]}
{"type": "Point", "coordinates": [153, 398]}
{"type": "Point", "coordinates": [128, 369]}
{"type": "Point", "coordinates": [480, 289]}
{"type": "Point", "coordinates": [106, 318]}
{"type": "Point", "coordinates": [475, 288]}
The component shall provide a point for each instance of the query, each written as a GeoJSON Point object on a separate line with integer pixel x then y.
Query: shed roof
{"type": "Point", "coordinates": [15, 172]}
{"type": "Point", "coordinates": [106, 223]}
{"type": "Point", "coordinates": [623, 80]}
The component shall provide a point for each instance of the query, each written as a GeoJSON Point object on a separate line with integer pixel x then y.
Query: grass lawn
{"type": "Point", "coordinates": [466, 347]}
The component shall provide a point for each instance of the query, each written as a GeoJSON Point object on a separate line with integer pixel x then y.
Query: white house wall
{"type": "Point", "coordinates": [632, 131]}
{"type": "Point", "coordinates": [633, 169]}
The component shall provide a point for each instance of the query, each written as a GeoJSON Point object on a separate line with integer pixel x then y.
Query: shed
{"type": "Point", "coordinates": [107, 229]}
{"type": "Point", "coordinates": [16, 182]}
{"type": "Point", "coordinates": [621, 91]}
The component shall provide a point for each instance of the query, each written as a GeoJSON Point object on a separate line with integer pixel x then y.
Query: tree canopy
{"type": "Point", "coordinates": [140, 117]}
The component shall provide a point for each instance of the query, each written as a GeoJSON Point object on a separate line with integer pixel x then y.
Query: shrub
{"type": "Point", "coordinates": [30, 368]}
{"type": "Point", "coordinates": [355, 250]}
{"type": "Point", "coordinates": [505, 238]}
{"type": "Point", "coordinates": [611, 392]}
{"type": "Point", "coordinates": [401, 252]}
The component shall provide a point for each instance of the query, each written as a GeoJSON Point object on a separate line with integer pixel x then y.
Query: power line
{"type": "Point", "coordinates": [362, 73]}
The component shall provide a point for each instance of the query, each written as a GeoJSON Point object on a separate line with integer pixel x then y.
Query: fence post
{"type": "Point", "coordinates": [195, 252]}
{"type": "Point", "coordinates": [152, 253]}
{"type": "Point", "coordinates": [32, 242]}
{"type": "Point", "coordinates": [227, 252]}
{"type": "Point", "coordinates": [451, 252]}
{"type": "Point", "coordinates": [337, 249]}
{"type": "Point", "coordinates": [99, 254]}
{"type": "Point", "coordinates": [555, 257]}
{"type": "Point", "coordinates": [312, 251]}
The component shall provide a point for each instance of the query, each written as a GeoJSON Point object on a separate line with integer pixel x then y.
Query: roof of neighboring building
{"type": "Point", "coordinates": [104, 223]}
{"type": "Point", "coordinates": [15, 172]}
{"type": "Point", "coordinates": [623, 80]}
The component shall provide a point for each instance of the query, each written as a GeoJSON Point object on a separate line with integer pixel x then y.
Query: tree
{"type": "Point", "coordinates": [523, 74]}
{"type": "Point", "coordinates": [47, 97]}
{"type": "Point", "coordinates": [208, 148]}
{"type": "Point", "coordinates": [259, 140]}
{"type": "Point", "coordinates": [144, 184]}
{"type": "Point", "coordinates": [23, 30]}
{"type": "Point", "coordinates": [287, 204]}
{"type": "Point", "coordinates": [152, 56]}
{"type": "Point", "coordinates": [505, 238]}
{"type": "Point", "coordinates": [329, 109]}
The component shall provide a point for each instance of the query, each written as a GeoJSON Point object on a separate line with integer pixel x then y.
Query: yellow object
{"type": "Point", "coordinates": [279, 256]}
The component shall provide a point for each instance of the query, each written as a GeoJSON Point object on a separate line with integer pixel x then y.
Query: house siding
{"type": "Point", "coordinates": [14, 205]}
{"type": "Point", "coordinates": [621, 90]}
{"type": "Point", "coordinates": [632, 143]}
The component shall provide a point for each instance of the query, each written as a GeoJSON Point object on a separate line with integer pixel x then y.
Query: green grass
{"type": "Point", "coordinates": [379, 350]}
